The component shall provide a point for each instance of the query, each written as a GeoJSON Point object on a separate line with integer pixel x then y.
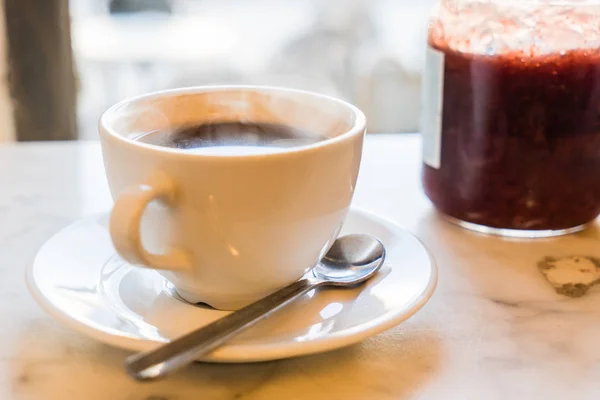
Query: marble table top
{"type": "Point", "coordinates": [494, 329]}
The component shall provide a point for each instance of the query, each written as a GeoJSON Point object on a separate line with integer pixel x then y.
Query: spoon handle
{"type": "Point", "coordinates": [188, 348]}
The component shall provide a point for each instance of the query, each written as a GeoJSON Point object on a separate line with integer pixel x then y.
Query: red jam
{"type": "Point", "coordinates": [520, 140]}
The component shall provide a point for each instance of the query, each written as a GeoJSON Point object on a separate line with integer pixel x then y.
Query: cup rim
{"type": "Point", "coordinates": [358, 128]}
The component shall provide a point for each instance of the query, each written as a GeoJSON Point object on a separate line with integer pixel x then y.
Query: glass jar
{"type": "Point", "coordinates": [511, 115]}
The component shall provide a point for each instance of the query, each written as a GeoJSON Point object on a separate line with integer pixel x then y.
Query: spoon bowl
{"type": "Point", "coordinates": [351, 260]}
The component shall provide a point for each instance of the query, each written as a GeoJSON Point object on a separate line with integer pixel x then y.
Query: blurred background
{"type": "Point", "coordinates": [369, 52]}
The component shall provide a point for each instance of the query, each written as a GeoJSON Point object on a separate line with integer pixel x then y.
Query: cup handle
{"type": "Point", "coordinates": [125, 225]}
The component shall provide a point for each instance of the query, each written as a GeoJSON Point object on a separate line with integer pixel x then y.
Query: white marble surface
{"type": "Point", "coordinates": [495, 329]}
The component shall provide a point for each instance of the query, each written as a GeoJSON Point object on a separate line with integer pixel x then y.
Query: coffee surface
{"type": "Point", "coordinates": [232, 138]}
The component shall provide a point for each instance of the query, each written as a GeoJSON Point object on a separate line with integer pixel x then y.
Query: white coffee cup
{"type": "Point", "coordinates": [227, 230]}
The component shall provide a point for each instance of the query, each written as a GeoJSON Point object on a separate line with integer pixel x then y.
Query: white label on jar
{"type": "Point", "coordinates": [432, 105]}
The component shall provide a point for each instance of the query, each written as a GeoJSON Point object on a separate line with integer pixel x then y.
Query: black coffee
{"type": "Point", "coordinates": [232, 138]}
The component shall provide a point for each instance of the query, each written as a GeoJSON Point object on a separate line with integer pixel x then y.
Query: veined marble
{"type": "Point", "coordinates": [494, 329]}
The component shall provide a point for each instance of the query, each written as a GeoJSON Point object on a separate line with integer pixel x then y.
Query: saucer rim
{"type": "Point", "coordinates": [245, 352]}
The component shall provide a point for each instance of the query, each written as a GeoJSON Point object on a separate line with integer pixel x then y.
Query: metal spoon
{"type": "Point", "coordinates": [352, 259]}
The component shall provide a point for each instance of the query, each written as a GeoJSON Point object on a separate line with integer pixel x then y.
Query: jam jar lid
{"type": "Point", "coordinates": [527, 28]}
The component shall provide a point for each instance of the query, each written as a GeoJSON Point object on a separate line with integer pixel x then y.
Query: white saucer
{"type": "Point", "coordinates": [79, 280]}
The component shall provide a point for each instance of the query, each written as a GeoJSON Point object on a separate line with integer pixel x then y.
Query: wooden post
{"type": "Point", "coordinates": [7, 123]}
{"type": "Point", "coordinates": [40, 69]}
